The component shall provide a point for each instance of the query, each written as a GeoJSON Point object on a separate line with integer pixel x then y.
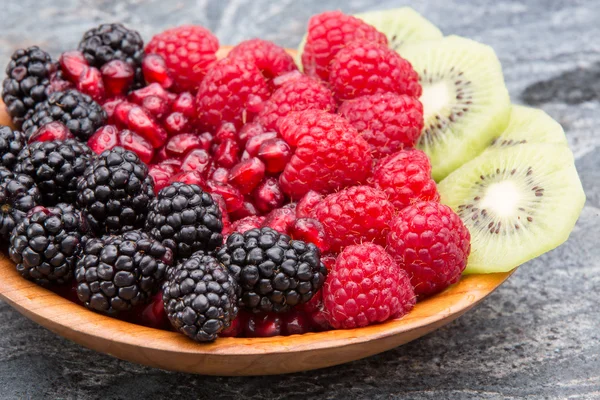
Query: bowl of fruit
{"type": "Point", "coordinates": [254, 210]}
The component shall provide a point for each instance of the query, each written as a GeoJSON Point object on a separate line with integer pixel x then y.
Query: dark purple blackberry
{"type": "Point", "coordinates": [18, 195]}
{"type": "Point", "coordinates": [27, 82]}
{"type": "Point", "coordinates": [200, 297]}
{"type": "Point", "coordinates": [80, 114]}
{"type": "Point", "coordinates": [274, 272]}
{"type": "Point", "coordinates": [116, 273]}
{"type": "Point", "coordinates": [11, 144]}
{"type": "Point", "coordinates": [55, 167]}
{"type": "Point", "coordinates": [47, 243]}
{"type": "Point", "coordinates": [110, 42]}
{"type": "Point", "coordinates": [185, 219]}
{"type": "Point", "coordinates": [115, 192]}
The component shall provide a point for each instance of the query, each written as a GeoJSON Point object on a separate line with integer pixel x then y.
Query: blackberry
{"type": "Point", "coordinates": [186, 219]}
{"type": "Point", "coordinates": [55, 167]}
{"type": "Point", "coordinates": [80, 114]}
{"type": "Point", "coordinates": [110, 42]}
{"type": "Point", "coordinates": [116, 273]}
{"type": "Point", "coordinates": [27, 82]}
{"type": "Point", "coordinates": [18, 195]}
{"type": "Point", "coordinates": [11, 144]}
{"type": "Point", "coordinates": [115, 191]}
{"type": "Point", "coordinates": [200, 297]}
{"type": "Point", "coordinates": [274, 272]}
{"type": "Point", "coordinates": [47, 243]}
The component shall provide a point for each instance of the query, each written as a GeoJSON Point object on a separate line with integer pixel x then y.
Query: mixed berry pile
{"type": "Point", "coordinates": [226, 197]}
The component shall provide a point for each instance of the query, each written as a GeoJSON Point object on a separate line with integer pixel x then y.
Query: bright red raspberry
{"type": "Point", "coordinates": [405, 177]}
{"type": "Point", "coordinates": [431, 243]}
{"type": "Point", "coordinates": [329, 153]}
{"type": "Point", "coordinates": [188, 51]}
{"type": "Point", "coordinates": [307, 203]}
{"type": "Point", "coordinates": [363, 68]}
{"type": "Point", "coordinates": [298, 95]}
{"type": "Point", "coordinates": [388, 121]}
{"type": "Point", "coordinates": [229, 92]}
{"type": "Point", "coordinates": [327, 34]}
{"type": "Point", "coordinates": [366, 286]}
{"type": "Point", "coordinates": [354, 215]}
{"type": "Point", "coordinates": [270, 59]}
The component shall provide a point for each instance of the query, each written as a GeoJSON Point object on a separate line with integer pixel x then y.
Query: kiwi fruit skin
{"type": "Point", "coordinates": [551, 206]}
{"type": "Point", "coordinates": [474, 107]}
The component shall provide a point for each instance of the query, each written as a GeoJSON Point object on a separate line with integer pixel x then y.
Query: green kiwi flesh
{"type": "Point", "coordinates": [465, 102]}
{"type": "Point", "coordinates": [517, 202]}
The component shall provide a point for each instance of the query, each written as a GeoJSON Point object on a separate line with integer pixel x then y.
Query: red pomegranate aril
{"type": "Point", "coordinates": [311, 231]}
{"type": "Point", "coordinates": [155, 70]}
{"type": "Point", "coordinates": [224, 214]}
{"type": "Point", "coordinates": [105, 138]}
{"type": "Point", "coordinates": [329, 261]}
{"type": "Point", "coordinates": [315, 312]}
{"type": "Point", "coordinates": [154, 89]}
{"type": "Point", "coordinates": [280, 219]}
{"type": "Point", "coordinates": [296, 323]}
{"type": "Point", "coordinates": [72, 64]}
{"type": "Point", "coordinates": [133, 142]}
{"type": "Point", "coordinates": [290, 206]}
{"type": "Point", "coordinates": [154, 315]}
{"type": "Point", "coordinates": [54, 130]}
{"type": "Point", "coordinates": [253, 144]}
{"type": "Point", "coordinates": [181, 144]}
{"type": "Point", "coordinates": [117, 76]}
{"type": "Point", "coordinates": [90, 82]}
{"type": "Point", "coordinates": [248, 131]}
{"type": "Point", "coordinates": [160, 155]}
{"type": "Point", "coordinates": [110, 105]}
{"type": "Point", "coordinates": [175, 163]}
{"type": "Point", "coordinates": [121, 113]}
{"type": "Point", "coordinates": [207, 140]}
{"type": "Point", "coordinates": [197, 160]}
{"type": "Point", "coordinates": [141, 122]}
{"type": "Point", "coordinates": [233, 198]}
{"type": "Point", "coordinates": [263, 325]}
{"type": "Point", "coordinates": [226, 153]}
{"type": "Point", "coordinates": [307, 203]}
{"type": "Point", "coordinates": [161, 174]}
{"type": "Point", "coordinates": [58, 83]}
{"type": "Point", "coordinates": [235, 329]}
{"type": "Point", "coordinates": [185, 103]}
{"type": "Point", "coordinates": [268, 195]}
{"type": "Point", "coordinates": [247, 174]}
{"type": "Point", "coordinates": [275, 153]}
{"type": "Point", "coordinates": [190, 178]}
{"type": "Point", "coordinates": [156, 106]}
{"type": "Point", "coordinates": [247, 210]}
{"type": "Point", "coordinates": [245, 224]}
{"type": "Point", "coordinates": [220, 175]}
{"type": "Point", "coordinates": [176, 123]}
{"type": "Point", "coordinates": [226, 131]}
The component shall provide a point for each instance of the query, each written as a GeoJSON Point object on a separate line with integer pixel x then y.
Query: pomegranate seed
{"type": "Point", "coordinates": [207, 139]}
{"type": "Point", "coordinates": [72, 64]}
{"type": "Point", "coordinates": [110, 105]}
{"type": "Point", "coordinates": [175, 163]}
{"type": "Point", "coordinates": [247, 174]}
{"type": "Point", "coordinates": [307, 203]}
{"type": "Point", "coordinates": [105, 138]}
{"type": "Point", "coordinates": [176, 123]}
{"type": "Point", "coordinates": [226, 153]}
{"type": "Point", "coordinates": [154, 315]}
{"type": "Point", "coordinates": [224, 214]}
{"type": "Point", "coordinates": [226, 131]}
{"type": "Point", "coordinates": [280, 219]}
{"type": "Point", "coordinates": [133, 142]}
{"type": "Point", "coordinates": [58, 83]}
{"type": "Point", "coordinates": [197, 160]}
{"type": "Point", "coordinates": [121, 113]}
{"type": "Point", "coordinates": [154, 89]}
{"type": "Point", "coordinates": [185, 103]}
{"type": "Point", "coordinates": [161, 174]}
{"type": "Point", "coordinates": [181, 144]}
{"type": "Point", "coordinates": [250, 130]}
{"type": "Point", "coordinates": [311, 231]}
{"type": "Point", "coordinates": [90, 82]}
{"type": "Point", "coordinates": [235, 329]}
{"type": "Point", "coordinates": [275, 153]}
{"type": "Point", "coordinates": [290, 206]}
{"type": "Point", "coordinates": [190, 178]}
{"type": "Point", "coordinates": [160, 155]}
{"type": "Point", "coordinates": [142, 123]}
{"type": "Point", "coordinates": [268, 195]}
{"type": "Point", "coordinates": [247, 223]}
{"type": "Point", "coordinates": [285, 78]}
{"type": "Point", "coordinates": [245, 156]}
{"type": "Point", "coordinates": [118, 77]}
{"type": "Point", "coordinates": [67, 291]}
{"type": "Point", "coordinates": [296, 323]}
{"type": "Point", "coordinates": [233, 198]}
{"type": "Point", "coordinates": [247, 210]}
{"type": "Point", "coordinates": [155, 70]}
{"type": "Point", "coordinates": [220, 175]}
{"type": "Point", "coordinates": [54, 130]}
{"type": "Point", "coordinates": [315, 311]}
{"type": "Point", "coordinates": [253, 144]}
{"type": "Point", "coordinates": [156, 106]}
{"type": "Point", "coordinates": [263, 325]}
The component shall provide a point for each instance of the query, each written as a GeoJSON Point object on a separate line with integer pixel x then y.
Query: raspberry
{"type": "Point", "coordinates": [188, 52]}
{"type": "Point", "coordinates": [229, 91]}
{"type": "Point", "coordinates": [328, 154]}
{"type": "Point", "coordinates": [431, 243]}
{"type": "Point", "coordinates": [307, 203]}
{"type": "Point", "coordinates": [405, 177]}
{"type": "Point", "coordinates": [363, 68]}
{"type": "Point", "coordinates": [366, 286]}
{"type": "Point", "coordinates": [327, 34]}
{"type": "Point", "coordinates": [298, 95]}
{"type": "Point", "coordinates": [355, 215]}
{"type": "Point", "coordinates": [388, 121]}
{"type": "Point", "coordinates": [270, 59]}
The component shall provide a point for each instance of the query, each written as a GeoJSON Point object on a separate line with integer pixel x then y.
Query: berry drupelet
{"type": "Point", "coordinates": [275, 272]}
{"type": "Point", "coordinates": [55, 167]}
{"type": "Point", "coordinates": [200, 297]}
{"type": "Point", "coordinates": [185, 219]}
{"type": "Point", "coordinates": [45, 245]}
{"type": "Point", "coordinates": [11, 144]}
{"type": "Point", "coordinates": [116, 273]}
{"type": "Point", "coordinates": [18, 195]}
{"type": "Point", "coordinates": [115, 191]}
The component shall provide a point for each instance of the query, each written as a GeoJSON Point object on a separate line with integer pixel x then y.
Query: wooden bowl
{"type": "Point", "coordinates": [234, 356]}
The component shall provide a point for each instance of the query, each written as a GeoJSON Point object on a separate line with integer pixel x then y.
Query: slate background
{"type": "Point", "coordinates": [538, 336]}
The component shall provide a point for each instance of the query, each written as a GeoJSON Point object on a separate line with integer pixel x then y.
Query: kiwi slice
{"type": "Point", "coordinates": [518, 202]}
{"type": "Point", "coordinates": [465, 102]}
{"type": "Point", "coordinates": [400, 25]}
{"type": "Point", "coordinates": [529, 125]}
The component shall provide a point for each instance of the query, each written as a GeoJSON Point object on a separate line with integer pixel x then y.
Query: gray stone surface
{"type": "Point", "coordinates": [538, 336]}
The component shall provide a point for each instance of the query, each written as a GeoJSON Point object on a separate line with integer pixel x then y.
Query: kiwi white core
{"type": "Point", "coordinates": [436, 97]}
{"type": "Point", "coordinates": [502, 198]}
